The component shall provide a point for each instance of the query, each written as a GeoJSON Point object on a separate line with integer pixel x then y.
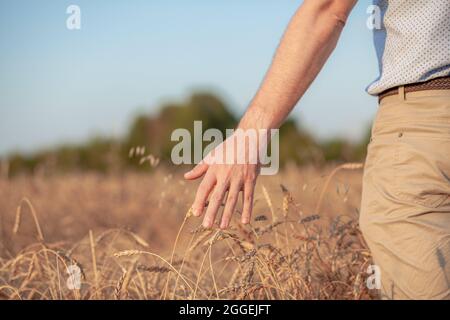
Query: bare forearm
{"type": "Point", "coordinates": [307, 43]}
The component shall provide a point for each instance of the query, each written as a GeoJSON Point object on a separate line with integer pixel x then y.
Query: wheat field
{"type": "Point", "coordinates": [131, 236]}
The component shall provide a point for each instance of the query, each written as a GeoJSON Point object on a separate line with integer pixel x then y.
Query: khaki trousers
{"type": "Point", "coordinates": [405, 209]}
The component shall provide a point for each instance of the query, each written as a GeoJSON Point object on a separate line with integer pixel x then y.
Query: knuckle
{"type": "Point", "coordinates": [215, 197]}
{"type": "Point", "coordinates": [201, 190]}
{"type": "Point", "coordinates": [251, 176]}
{"type": "Point", "coordinates": [232, 197]}
{"type": "Point", "coordinates": [226, 216]}
{"type": "Point", "coordinates": [225, 178]}
{"type": "Point", "coordinates": [199, 198]}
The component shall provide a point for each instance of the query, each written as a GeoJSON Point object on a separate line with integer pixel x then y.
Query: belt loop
{"type": "Point", "coordinates": [401, 93]}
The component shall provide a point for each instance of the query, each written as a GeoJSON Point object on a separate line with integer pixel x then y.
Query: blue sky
{"type": "Point", "coordinates": [58, 85]}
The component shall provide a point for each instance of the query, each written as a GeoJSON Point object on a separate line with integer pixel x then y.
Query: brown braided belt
{"type": "Point", "coordinates": [434, 84]}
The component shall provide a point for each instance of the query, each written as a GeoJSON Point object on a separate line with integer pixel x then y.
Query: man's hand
{"type": "Point", "coordinates": [218, 180]}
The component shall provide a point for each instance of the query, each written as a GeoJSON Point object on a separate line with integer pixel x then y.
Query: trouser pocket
{"type": "Point", "coordinates": [421, 172]}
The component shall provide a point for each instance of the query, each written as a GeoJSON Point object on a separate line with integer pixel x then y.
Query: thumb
{"type": "Point", "coordinates": [197, 172]}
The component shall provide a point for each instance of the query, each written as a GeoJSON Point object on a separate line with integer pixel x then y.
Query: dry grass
{"type": "Point", "coordinates": [123, 233]}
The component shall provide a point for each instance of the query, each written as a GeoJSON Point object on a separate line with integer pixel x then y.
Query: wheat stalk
{"type": "Point", "coordinates": [345, 166]}
{"type": "Point", "coordinates": [33, 214]}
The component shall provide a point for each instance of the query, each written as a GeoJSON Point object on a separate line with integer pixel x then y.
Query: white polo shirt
{"type": "Point", "coordinates": [413, 44]}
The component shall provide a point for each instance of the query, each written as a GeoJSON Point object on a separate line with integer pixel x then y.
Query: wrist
{"type": "Point", "coordinates": [257, 118]}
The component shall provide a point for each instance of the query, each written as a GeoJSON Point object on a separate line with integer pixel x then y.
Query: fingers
{"type": "Point", "coordinates": [233, 194]}
{"type": "Point", "coordinates": [249, 189]}
{"type": "Point", "coordinates": [197, 172]}
{"type": "Point", "coordinates": [220, 179]}
{"type": "Point", "coordinates": [215, 202]}
{"type": "Point", "coordinates": [203, 192]}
